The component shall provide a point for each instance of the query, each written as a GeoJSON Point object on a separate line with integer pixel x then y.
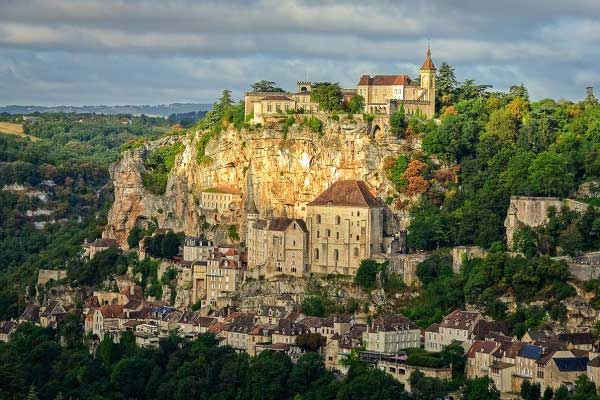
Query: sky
{"type": "Point", "coordinates": [83, 52]}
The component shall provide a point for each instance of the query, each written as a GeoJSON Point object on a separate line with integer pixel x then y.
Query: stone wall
{"type": "Point", "coordinates": [459, 253]}
{"type": "Point", "coordinates": [533, 212]}
{"type": "Point", "coordinates": [45, 275]}
{"type": "Point", "coordinates": [585, 266]}
{"type": "Point", "coordinates": [405, 265]}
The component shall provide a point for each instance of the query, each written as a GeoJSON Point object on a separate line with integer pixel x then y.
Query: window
{"type": "Point", "coordinates": [337, 219]}
{"type": "Point", "coordinates": [318, 218]}
{"type": "Point", "coordinates": [318, 234]}
{"type": "Point", "coordinates": [357, 237]}
{"type": "Point", "coordinates": [269, 107]}
{"type": "Point", "coordinates": [358, 213]}
{"type": "Point", "coordinates": [327, 233]}
{"type": "Point", "coordinates": [316, 254]}
{"type": "Point", "coordinates": [356, 252]}
{"type": "Point", "coordinates": [336, 255]}
{"type": "Point", "coordinates": [337, 235]}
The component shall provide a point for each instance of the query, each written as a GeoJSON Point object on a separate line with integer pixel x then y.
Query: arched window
{"type": "Point", "coordinates": [318, 234]}
{"type": "Point", "coordinates": [337, 235]}
{"type": "Point", "coordinates": [318, 218]}
{"type": "Point", "coordinates": [316, 254]}
{"type": "Point", "coordinates": [356, 252]}
{"type": "Point", "coordinates": [337, 219]}
{"type": "Point", "coordinates": [358, 213]}
{"type": "Point", "coordinates": [336, 255]}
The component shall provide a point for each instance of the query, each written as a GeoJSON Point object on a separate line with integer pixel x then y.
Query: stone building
{"type": "Point", "coordinates": [222, 199]}
{"type": "Point", "coordinates": [390, 334]}
{"type": "Point", "coordinates": [262, 104]}
{"type": "Point", "coordinates": [384, 94]}
{"type": "Point", "coordinates": [195, 248]}
{"type": "Point", "coordinates": [345, 225]}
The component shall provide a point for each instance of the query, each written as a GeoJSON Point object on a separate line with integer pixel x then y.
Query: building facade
{"type": "Point", "coordinates": [345, 225]}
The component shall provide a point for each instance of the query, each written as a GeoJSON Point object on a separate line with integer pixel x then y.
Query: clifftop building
{"type": "Point", "coordinates": [383, 94]}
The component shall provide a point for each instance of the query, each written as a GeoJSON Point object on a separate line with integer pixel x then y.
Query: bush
{"type": "Point", "coordinates": [315, 125]}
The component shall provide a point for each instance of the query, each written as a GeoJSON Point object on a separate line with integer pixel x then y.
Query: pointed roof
{"type": "Point", "coordinates": [346, 193]}
{"type": "Point", "coordinates": [428, 64]}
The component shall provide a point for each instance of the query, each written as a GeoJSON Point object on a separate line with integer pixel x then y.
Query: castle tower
{"type": "Point", "coordinates": [428, 82]}
{"type": "Point", "coordinates": [303, 86]}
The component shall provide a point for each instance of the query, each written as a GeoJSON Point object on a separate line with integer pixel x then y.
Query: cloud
{"type": "Point", "coordinates": [114, 51]}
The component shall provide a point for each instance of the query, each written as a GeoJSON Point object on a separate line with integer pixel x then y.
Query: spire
{"type": "Point", "coordinates": [250, 203]}
{"type": "Point", "coordinates": [428, 64]}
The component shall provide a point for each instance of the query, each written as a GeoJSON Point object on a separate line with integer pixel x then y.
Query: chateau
{"type": "Point", "coordinates": [383, 94]}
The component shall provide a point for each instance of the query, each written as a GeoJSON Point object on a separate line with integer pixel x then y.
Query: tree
{"type": "Point", "coordinates": [550, 174]}
{"type": "Point", "coordinates": [135, 235]}
{"type": "Point", "coordinates": [269, 372]}
{"type": "Point", "coordinates": [470, 90]}
{"type": "Point", "coordinates": [266, 86]}
{"type": "Point", "coordinates": [525, 241]}
{"type": "Point", "coordinates": [356, 105]}
{"type": "Point", "coordinates": [398, 122]}
{"type": "Point", "coordinates": [548, 393]}
{"type": "Point", "coordinates": [570, 240]}
{"type": "Point", "coordinates": [373, 384]}
{"type": "Point", "coordinates": [170, 245]}
{"type": "Point", "coordinates": [309, 369]}
{"type": "Point", "coordinates": [130, 376]}
{"type": "Point", "coordinates": [530, 391]}
{"type": "Point", "coordinates": [480, 388]}
{"type": "Point", "coordinates": [313, 306]}
{"type": "Point", "coordinates": [366, 275]}
{"type": "Point", "coordinates": [446, 84]}
{"type": "Point", "coordinates": [328, 95]}
{"type": "Point", "coordinates": [590, 98]}
{"type": "Point", "coordinates": [453, 140]}
{"type": "Point", "coordinates": [518, 91]}
{"type": "Point", "coordinates": [32, 394]}
{"type": "Point", "coordinates": [310, 342]}
{"type": "Point", "coordinates": [454, 356]}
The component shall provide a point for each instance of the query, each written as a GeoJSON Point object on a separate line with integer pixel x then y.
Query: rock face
{"type": "Point", "coordinates": [533, 211]}
{"type": "Point", "coordinates": [288, 171]}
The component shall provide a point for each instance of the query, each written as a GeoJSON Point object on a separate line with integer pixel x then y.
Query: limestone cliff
{"type": "Point", "coordinates": [288, 170]}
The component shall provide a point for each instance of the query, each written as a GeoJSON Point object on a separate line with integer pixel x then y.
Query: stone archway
{"type": "Point", "coordinates": [376, 128]}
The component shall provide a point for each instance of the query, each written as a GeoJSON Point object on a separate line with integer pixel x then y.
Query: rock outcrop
{"type": "Point", "coordinates": [288, 171]}
{"type": "Point", "coordinates": [533, 212]}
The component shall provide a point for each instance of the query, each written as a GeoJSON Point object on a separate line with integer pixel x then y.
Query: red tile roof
{"type": "Point", "coordinates": [346, 193]}
{"type": "Point", "coordinates": [384, 80]}
{"type": "Point", "coordinates": [428, 64]}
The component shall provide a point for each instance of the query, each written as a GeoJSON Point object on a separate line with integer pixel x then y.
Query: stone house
{"type": "Point", "coordinates": [339, 347]}
{"type": "Point", "coordinates": [384, 94]}
{"type": "Point", "coordinates": [433, 342]}
{"type": "Point", "coordinates": [224, 275]}
{"type": "Point", "coordinates": [91, 249]}
{"type": "Point", "coordinates": [30, 314]}
{"type": "Point", "coordinates": [390, 334]}
{"type": "Point", "coordinates": [265, 104]}
{"type": "Point", "coordinates": [593, 370]}
{"type": "Point", "coordinates": [270, 314]}
{"type": "Point", "coordinates": [345, 225]}
{"type": "Point", "coordinates": [237, 333]}
{"type": "Point", "coordinates": [564, 371]}
{"type": "Point", "coordinates": [501, 374]}
{"type": "Point", "coordinates": [6, 328]}
{"type": "Point", "coordinates": [578, 341]}
{"type": "Point", "coordinates": [480, 357]}
{"type": "Point", "coordinates": [52, 314]}
{"type": "Point", "coordinates": [196, 248]}
{"type": "Point", "coordinates": [223, 199]}
{"type": "Point", "coordinates": [458, 326]}
{"type": "Point", "coordinates": [147, 335]}
{"type": "Point", "coordinates": [101, 320]}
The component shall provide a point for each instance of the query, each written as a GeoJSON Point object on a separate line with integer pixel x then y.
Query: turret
{"type": "Point", "coordinates": [428, 81]}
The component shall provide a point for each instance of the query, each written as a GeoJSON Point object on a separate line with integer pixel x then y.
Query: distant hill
{"type": "Point", "coordinates": [160, 110]}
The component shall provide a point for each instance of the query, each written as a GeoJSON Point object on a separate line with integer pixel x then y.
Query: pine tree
{"type": "Point", "coordinates": [32, 394]}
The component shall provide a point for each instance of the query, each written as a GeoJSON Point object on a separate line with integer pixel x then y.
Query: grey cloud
{"type": "Point", "coordinates": [115, 51]}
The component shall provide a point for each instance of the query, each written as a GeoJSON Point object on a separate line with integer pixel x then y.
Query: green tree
{"type": "Point", "coordinates": [398, 122]}
{"type": "Point", "coordinates": [32, 394]}
{"type": "Point", "coordinates": [550, 174]}
{"type": "Point", "coordinates": [453, 140]}
{"type": "Point", "coordinates": [571, 241]}
{"type": "Point", "coordinates": [525, 241]}
{"type": "Point", "coordinates": [309, 369]}
{"type": "Point", "coordinates": [266, 86]}
{"type": "Point", "coordinates": [170, 245]}
{"type": "Point", "coordinates": [366, 274]}
{"type": "Point", "coordinates": [480, 388]}
{"type": "Point", "coordinates": [356, 105]}
{"type": "Point", "coordinates": [135, 235]}
{"type": "Point", "coordinates": [130, 376]}
{"type": "Point", "coordinates": [446, 84]}
{"type": "Point", "coordinates": [311, 341]}
{"type": "Point", "coordinates": [373, 384]}
{"type": "Point", "coordinates": [328, 95]}
{"type": "Point", "coordinates": [548, 393]}
{"type": "Point", "coordinates": [269, 373]}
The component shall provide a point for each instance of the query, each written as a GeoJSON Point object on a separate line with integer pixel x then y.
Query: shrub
{"type": "Point", "coordinates": [315, 124]}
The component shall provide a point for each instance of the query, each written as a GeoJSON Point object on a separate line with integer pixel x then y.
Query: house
{"type": "Point", "coordinates": [433, 342]}
{"type": "Point", "coordinates": [579, 341]}
{"type": "Point", "coordinates": [52, 314]}
{"type": "Point", "coordinates": [196, 248]}
{"type": "Point", "coordinates": [593, 370]}
{"type": "Point", "coordinates": [91, 249]}
{"type": "Point", "coordinates": [340, 346]}
{"type": "Point", "coordinates": [480, 357]}
{"type": "Point", "coordinates": [345, 225]}
{"type": "Point", "coordinates": [237, 332]}
{"type": "Point", "coordinates": [501, 373]}
{"type": "Point", "coordinates": [390, 334]}
{"type": "Point", "coordinates": [270, 314]}
{"type": "Point", "coordinates": [564, 371]}
{"type": "Point", "coordinates": [147, 335]}
{"type": "Point", "coordinates": [100, 321]}
{"type": "Point", "coordinates": [458, 326]}
{"type": "Point", "coordinates": [224, 275]}
{"type": "Point", "coordinates": [222, 199]}
{"type": "Point", "coordinates": [264, 104]}
{"type": "Point", "coordinates": [30, 314]}
{"type": "Point", "coordinates": [6, 328]}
